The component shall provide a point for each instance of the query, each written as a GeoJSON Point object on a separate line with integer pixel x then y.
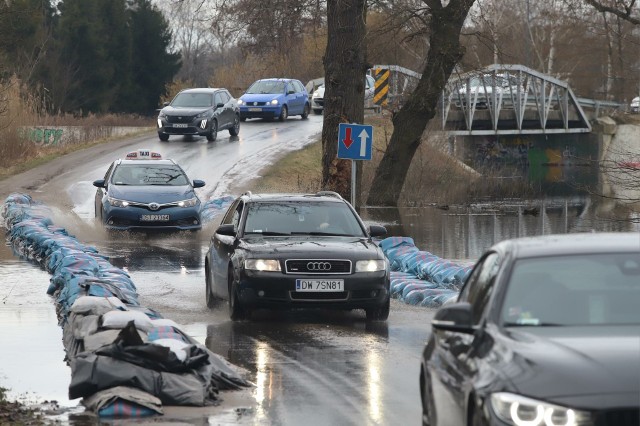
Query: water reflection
{"type": "Point", "coordinates": [465, 232]}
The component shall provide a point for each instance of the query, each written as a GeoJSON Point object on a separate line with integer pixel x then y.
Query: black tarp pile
{"type": "Point", "coordinates": [126, 360]}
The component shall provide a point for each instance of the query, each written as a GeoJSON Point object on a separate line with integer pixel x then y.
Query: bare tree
{"type": "Point", "coordinates": [345, 67]}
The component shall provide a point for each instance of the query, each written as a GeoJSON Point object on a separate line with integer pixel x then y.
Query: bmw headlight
{"type": "Point", "coordinates": [274, 102]}
{"type": "Point", "coordinates": [370, 265]}
{"type": "Point", "coordinates": [271, 265]}
{"type": "Point", "coordinates": [240, 102]}
{"type": "Point", "coordinates": [188, 203]}
{"type": "Point", "coordinates": [521, 411]}
{"type": "Point", "coordinates": [117, 203]}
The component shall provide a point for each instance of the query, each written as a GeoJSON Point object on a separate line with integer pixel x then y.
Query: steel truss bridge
{"type": "Point", "coordinates": [505, 100]}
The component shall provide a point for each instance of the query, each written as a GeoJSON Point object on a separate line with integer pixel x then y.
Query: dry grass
{"type": "Point", "coordinates": [434, 177]}
{"type": "Point", "coordinates": [20, 111]}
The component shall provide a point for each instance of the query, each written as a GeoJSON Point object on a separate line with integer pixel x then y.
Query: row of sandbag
{"type": "Point", "coordinates": [422, 278]}
{"type": "Point", "coordinates": [125, 359]}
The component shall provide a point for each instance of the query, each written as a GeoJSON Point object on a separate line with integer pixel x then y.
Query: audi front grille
{"type": "Point", "coordinates": [318, 266]}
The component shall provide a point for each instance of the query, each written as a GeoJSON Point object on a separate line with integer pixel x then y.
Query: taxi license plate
{"type": "Point", "coordinates": [319, 285]}
{"type": "Point", "coordinates": [154, 217]}
{"type": "Point", "coordinates": [180, 125]}
{"type": "Point", "coordinates": [255, 109]}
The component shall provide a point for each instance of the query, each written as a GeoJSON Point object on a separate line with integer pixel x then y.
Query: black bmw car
{"type": "Point", "coordinates": [546, 331]}
{"type": "Point", "coordinates": [287, 251]}
{"type": "Point", "coordinates": [202, 112]}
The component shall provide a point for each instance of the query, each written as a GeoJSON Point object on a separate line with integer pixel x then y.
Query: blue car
{"type": "Point", "coordinates": [274, 98]}
{"type": "Point", "coordinates": [145, 192]}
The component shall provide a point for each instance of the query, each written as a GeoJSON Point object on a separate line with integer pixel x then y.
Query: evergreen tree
{"type": "Point", "coordinates": [153, 66]}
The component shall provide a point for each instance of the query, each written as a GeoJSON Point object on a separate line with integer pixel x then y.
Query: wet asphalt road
{"type": "Point", "coordinates": [308, 367]}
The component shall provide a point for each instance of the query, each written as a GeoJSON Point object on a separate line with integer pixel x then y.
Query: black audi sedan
{"type": "Point", "coordinates": [546, 331]}
{"type": "Point", "coordinates": [202, 112]}
{"type": "Point", "coordinates": [276, 251]}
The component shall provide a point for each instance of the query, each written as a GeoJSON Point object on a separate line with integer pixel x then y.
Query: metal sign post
{"type": "Point", "coordinates": [353, 183]}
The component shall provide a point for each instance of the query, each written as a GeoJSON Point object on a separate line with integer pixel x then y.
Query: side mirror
{"type": "Point", "coordinates": [220, 105]}
{"type": "Point", "coordinates": [226, 230]}
{"type": "Point", "coordinates": [197, 183]}
{"type": "Point", "coordinates": [377, 231]}
{"type": "Point", "coordinates": [165, 104]}
{"type": "Point", "coordinates": [456, 317]}
{"type": "Point", "coordinates": [291, 92]}
{"type": "Point", "coordinates": [98, 183]}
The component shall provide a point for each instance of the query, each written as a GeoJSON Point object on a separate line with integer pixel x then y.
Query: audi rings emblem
{"type": "Point", "coordinates": [154, 206]}
{"type": "Point", "coordinates": [318, 266]}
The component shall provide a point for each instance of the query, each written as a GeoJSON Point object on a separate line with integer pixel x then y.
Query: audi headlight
{"type": "Point", "coordinates": [240, 101]}
{"type": "Point", "coordinates": [117, 203]}
{"type": "Point", "coordinates": [188, 203]}
{"type": "Point", "coordinates": [262, 265]}
{"type": "Point", "coordinates": [370, 265]}
{"type": "Point", "coordinates": [274, 102]}
{"type": "Point", "coordinates": [521, 411]}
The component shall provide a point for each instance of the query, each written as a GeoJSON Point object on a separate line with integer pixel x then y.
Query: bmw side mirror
{"type": "Point", "coordinates": [98, 183]}
{"type": "Point", "coordinates": [456, 317]}
{"type": "Point", "coordinates": [197, 183]}
{"type": "Point", "coordinates": [377, 231]}
{"type": "Point", "coordinates": [227, 230]}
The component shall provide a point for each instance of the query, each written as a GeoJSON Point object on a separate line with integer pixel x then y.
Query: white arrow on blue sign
{"type": "Point", "coordinates": [355, 141]}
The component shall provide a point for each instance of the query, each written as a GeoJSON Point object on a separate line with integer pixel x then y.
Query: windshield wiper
{"type": "Point", "coordinates": [532, 324]}
{"type": "Point", "coordinates": [330, 234]}
{"type": "Point", "coordinates": [267, 233]}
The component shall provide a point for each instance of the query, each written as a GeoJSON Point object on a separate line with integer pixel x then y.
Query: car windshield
{"type": "Point", "coordinates": [586, 289]}
{"type": "Point", "coordinates": [266, 86]}
{"type": "Point", "coordinates": [138, 174]}
{"type": "Point", "coordinates": [193, 100]}
{"type": "Point", "coordinates": [302, 218]}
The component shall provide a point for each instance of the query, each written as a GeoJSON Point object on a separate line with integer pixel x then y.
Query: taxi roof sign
{"type": "Point", "coordinates": [143, 154]}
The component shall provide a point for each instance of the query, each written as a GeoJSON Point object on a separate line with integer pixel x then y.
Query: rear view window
{"type": "Point", "coordinates": [587, 289]}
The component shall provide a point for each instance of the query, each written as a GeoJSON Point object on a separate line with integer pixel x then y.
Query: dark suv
{"type": "Point", "coordinates": [202, 112]}
{"type": "Point", "coordinates": [296, 251]}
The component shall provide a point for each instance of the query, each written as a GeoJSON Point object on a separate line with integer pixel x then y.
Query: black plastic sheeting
{"type": "Point", "coordinates": [136, 357]}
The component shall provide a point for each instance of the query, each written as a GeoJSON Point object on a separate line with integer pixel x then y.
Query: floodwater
{"type": "Point", "coordinates": [566, 201]}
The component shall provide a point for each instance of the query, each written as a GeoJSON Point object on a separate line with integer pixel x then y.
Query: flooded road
{"type": "Point", "coordinates": [313, 368]}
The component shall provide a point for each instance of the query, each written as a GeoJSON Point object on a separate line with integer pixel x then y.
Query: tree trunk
{"type": "Point", "coordinates": [344, 75]}
{"type": "Point", "coordinates": [409, 123]}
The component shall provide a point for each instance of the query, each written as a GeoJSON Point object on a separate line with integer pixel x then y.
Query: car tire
{"type": "Point", "coordinates": [163, 137]}
{"type": "Point", "coordinates": [283, 113]}
{"type": "Point", "coordinates": [380, 313]}
{"type": "Point", "coordinates": [428, 413]}
{"type": "Point", "coordinates": [211, 302]}
{"type": "Point", "coordinates": [477, 419]}
{"type": "Point", "coordinates": [213, 131]}
{"type": "Point", "coordinates": [305, 111]}
{"type": "Point", "coordinates": [237, 312]}
{"type": "Point", "coordinates": [235, 129]}
{"type": "Point", "coordinates": [317, 111]}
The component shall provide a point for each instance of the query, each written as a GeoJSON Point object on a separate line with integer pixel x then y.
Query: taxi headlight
{"type": "Point", "coordinates": [240, 101]}
{"type": "Point", "coordinates": [271, 265]}
{"type": "Point", "coordinates": [117, 203]}
{"type": "Point", "coordinates": [188, 203]}
{"type": "Point", "coordinates": [370, 265]}
{"type": "Point", "coordinates": [274, 102]}
{"type": "Point", "coordinates": [521, 411]}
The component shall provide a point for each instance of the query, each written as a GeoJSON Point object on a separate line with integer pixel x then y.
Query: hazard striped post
{"type": "Point", "coordinates": [381, 87]}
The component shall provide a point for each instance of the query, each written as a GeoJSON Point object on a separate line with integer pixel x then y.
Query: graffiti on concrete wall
{"type": "Point", "coordinates": [503, 150]}
{"type": "Point", "coordinates": [42, 136]}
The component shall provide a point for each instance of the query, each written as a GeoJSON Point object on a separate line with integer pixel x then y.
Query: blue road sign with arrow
{"type": "Point", "coordinates": [355, 141]}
